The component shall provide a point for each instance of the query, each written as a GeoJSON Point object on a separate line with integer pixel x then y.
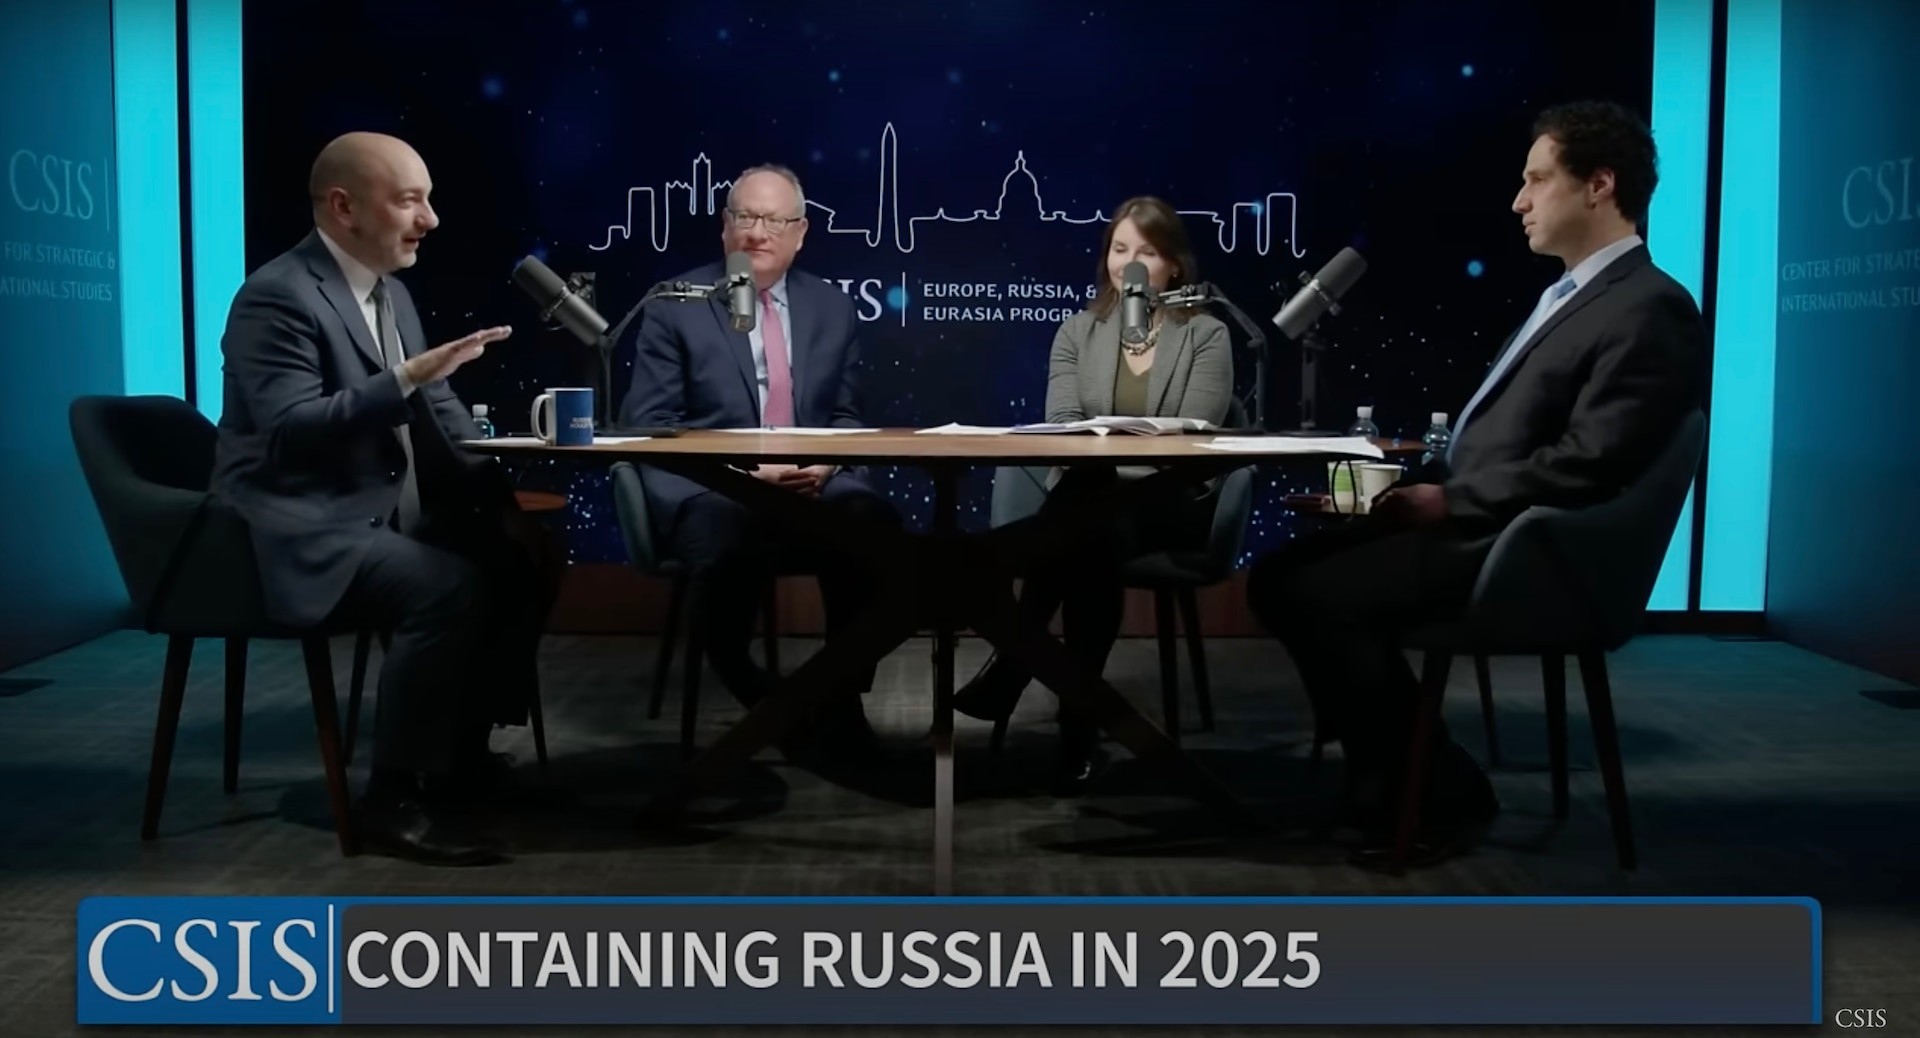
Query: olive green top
{"type": "Point", "coordinates": [1130, 390]}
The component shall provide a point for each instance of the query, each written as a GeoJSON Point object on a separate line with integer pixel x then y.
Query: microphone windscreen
{"type": "Point", "coordinates": [538, 280]}
{"type": "Point", "coordinates": [739, 264]}
{"type": "Point", "coordinates": [1134, 275]}
{"type": "Point", "coordinates": [1341, 272]}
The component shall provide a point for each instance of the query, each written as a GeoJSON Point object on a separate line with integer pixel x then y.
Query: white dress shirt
{"type": "Point", "coordinates": [1591, 267]}
{"type": "Point", "coordinates": [361, 281]}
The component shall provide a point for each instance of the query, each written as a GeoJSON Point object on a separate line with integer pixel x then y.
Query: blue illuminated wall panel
{"type": "Point", "coordinates": [1677, 222]}
{"type": "Point", "coordinates": [1733, 562]}
{"type": "Point", "coordinates": [60, 290]}
{"type": "Point", "coordinates": [1843, 573]}
{"type": "Point", "coordinates": [218, 182]}
{"type": "Point", "coordinates": [147, 140]}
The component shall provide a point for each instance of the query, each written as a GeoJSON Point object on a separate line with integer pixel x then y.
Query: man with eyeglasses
{"type": "Point", "coordinates": [796, 368]}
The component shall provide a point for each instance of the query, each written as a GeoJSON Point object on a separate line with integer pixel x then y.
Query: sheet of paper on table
{"type": "Point", "coordinates": [801, 431]}
{"type": "Point", "coordinates": [1353, 446]}
{"type": "Point", "coordinates": [956, 429]}
{"type": "Point", "coordinates": [535, 441]}
{"type": "Point", "coordinates": [1105, 424]}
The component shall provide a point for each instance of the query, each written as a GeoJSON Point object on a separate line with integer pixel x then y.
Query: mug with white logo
{"type": "Point", "coordinates": [568, 415]}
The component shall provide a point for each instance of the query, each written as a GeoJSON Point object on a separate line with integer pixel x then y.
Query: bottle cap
{"type": "Point", "coordinates": [479, 410]}
{"type": "Point", "coordinates": [1364, 412]}
{"type": "Point", "coordinates": [1439, 418]}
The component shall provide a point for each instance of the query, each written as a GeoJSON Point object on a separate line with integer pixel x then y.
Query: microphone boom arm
{"type": "Point", "coordinates": [681, 291]}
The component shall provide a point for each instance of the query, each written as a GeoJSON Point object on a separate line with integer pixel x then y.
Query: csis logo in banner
{"type": "Point", "coordinates": [443, 962]}
{"type": "Point", "coordinates": [207, 960]}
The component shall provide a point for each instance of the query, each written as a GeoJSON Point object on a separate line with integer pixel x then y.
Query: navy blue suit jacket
{"type": "Point", "coordinates": [692, 370]}
{"type": "Point", "coordinates": [306, 450]}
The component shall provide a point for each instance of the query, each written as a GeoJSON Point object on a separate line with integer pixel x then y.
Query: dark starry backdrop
{"type": "Point", "coordinates": [1399, 127]}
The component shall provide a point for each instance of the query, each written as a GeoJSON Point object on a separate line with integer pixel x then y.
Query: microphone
{"type": "Point", "coordinates": [1134, 304]}
{"type": "Point", "coordinates": [740, 291]}
{"type": "Point", "coordinates": [557, 300]}
{"type": "Point", "coordinates": [1320, 294]}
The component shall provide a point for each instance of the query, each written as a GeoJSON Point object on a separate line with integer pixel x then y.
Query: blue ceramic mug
{"type": "Point", "coordinates": [568, 414]}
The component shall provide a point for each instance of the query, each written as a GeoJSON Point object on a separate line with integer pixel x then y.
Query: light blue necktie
{"type": "Point", "coordinates": [1554, 293]}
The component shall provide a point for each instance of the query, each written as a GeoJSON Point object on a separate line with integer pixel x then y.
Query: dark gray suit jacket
{"type": "Point", "coordinates": [1590, 402]}
{"type": "Point", "coordinates": [692, 370]}
{"type": "Point", "coordinates": [307, 451]}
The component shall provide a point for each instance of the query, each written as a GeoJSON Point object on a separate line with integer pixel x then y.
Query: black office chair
{"type": "Point", "coordinates": [1175, 578]}
{"type": "Point", "coordinates": [1562, 583]}
{"type": "Point", "coordinates": [636, 528]}
{"type": "Point", "coordinates": [188, 565]}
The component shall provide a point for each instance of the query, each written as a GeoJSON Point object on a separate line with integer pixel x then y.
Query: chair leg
{"type": "Point", "coordinates": [537, 717]}
{"type": "Point", "coordinates": [1484, 676]}
{"type": "Point", "coordinates": [1553, 675]}
{"type": "Point", "coordinates": [998, 740]}
{"type": "Point", "coordinates": [1189, 601]}
{"type": "Point", "coordinates": [669, 638]}
{"type": "Point", "coordinates": [236, 697]}
{"type": "Point", "coordinates": [1433, 691]}
{"type": "Point", "coordinates": [1606, 743]}
{"type": "Point", "coordinates": [1169, 663]}
{"type": "Point", "coordinates": [690, 689]}
{"type": "Point", "coordinates": [770, 627]}
{"type": "Point", "coordinates": [173, 692]}
{"type": "Point", "coordinates": [356, 686]}
{"type": "Point", "coordinates": [319, 658]}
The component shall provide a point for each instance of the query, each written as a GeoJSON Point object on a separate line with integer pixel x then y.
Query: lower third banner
{"type": "Point", "coordinates": [900, 961]}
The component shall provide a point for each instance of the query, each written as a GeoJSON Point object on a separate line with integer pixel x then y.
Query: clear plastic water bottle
{"type": "Point", "coordinates": [1363, 424]}
{"type": "Point", "coordinates": [1437, 439]}
{"type": "Point", "coordinates": [480, 419]}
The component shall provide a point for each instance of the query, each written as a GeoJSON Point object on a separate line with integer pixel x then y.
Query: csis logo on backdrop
{"type": "Point", "coordinates": [1042, 297]}
{"type": "Point", "coordinates": [1878, 194]}
{"type": "Point", "coordinates": [54, 185]}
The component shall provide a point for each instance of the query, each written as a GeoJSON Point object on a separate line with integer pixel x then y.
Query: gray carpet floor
{"type": "Point", "coordinates": [1755, 768]}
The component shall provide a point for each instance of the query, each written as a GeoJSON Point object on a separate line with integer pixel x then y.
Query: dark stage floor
{"type": "Point", "coordinates": [1754, 768]}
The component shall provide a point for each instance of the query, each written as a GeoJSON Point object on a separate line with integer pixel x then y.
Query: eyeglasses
{"type": "Point", "coordinates": [775, 224]}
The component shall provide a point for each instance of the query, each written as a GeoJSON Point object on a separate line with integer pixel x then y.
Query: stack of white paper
{"type": "Point", "coordinates": [801, 431]}
{"type": "Point", "coordinates": [1120, 423]}
{"type": "Point", "coordinates": [956, 429]}
{"type": "Point", "coordinates": [535, 441]}
{"type": "Point", "coordinates": [1351, 446]}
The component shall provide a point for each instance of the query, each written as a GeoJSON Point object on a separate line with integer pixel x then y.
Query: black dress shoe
{"type": "Point", "coordinates": [992, 694]}
{"type": "Point", "coordinates": [846, 731]}
{"type": "Point", "coordinates": [407, 828]}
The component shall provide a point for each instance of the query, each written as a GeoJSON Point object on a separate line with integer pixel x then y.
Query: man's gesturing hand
{"type": "Point", "coordinates": [444, 360]}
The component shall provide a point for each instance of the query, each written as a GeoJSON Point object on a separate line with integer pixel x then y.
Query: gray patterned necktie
{"type": "Point", "coordinates": [395, 355]}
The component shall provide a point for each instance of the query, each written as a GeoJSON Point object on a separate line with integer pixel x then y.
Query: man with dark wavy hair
{"type": "Point", "coordinates": [1577, 404]}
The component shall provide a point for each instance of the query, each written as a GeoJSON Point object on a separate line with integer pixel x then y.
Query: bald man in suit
{"type": "Point", "coordinates": [339, 444]}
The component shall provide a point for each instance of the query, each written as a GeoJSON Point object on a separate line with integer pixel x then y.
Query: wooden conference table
{"type": "Point", "coordinates": [943, 579]}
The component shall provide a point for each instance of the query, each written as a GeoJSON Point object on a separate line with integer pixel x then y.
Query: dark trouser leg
{"type": "Point", "coordinates": [431, 599]}
{"type": "Point", "coordinates": [845, 584]}
{"type": "Point", "coordinates": [520, 576]}
{"type": "Point", "coordinates": [713, 534]}
{"type": "Point", "coordinates": [1338, 601]}
{"type": "Point", "coordinates": [1090, 555]}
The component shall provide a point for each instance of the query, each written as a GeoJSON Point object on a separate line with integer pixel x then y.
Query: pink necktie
{"type": "Point", "coordinates": [779, 409]}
